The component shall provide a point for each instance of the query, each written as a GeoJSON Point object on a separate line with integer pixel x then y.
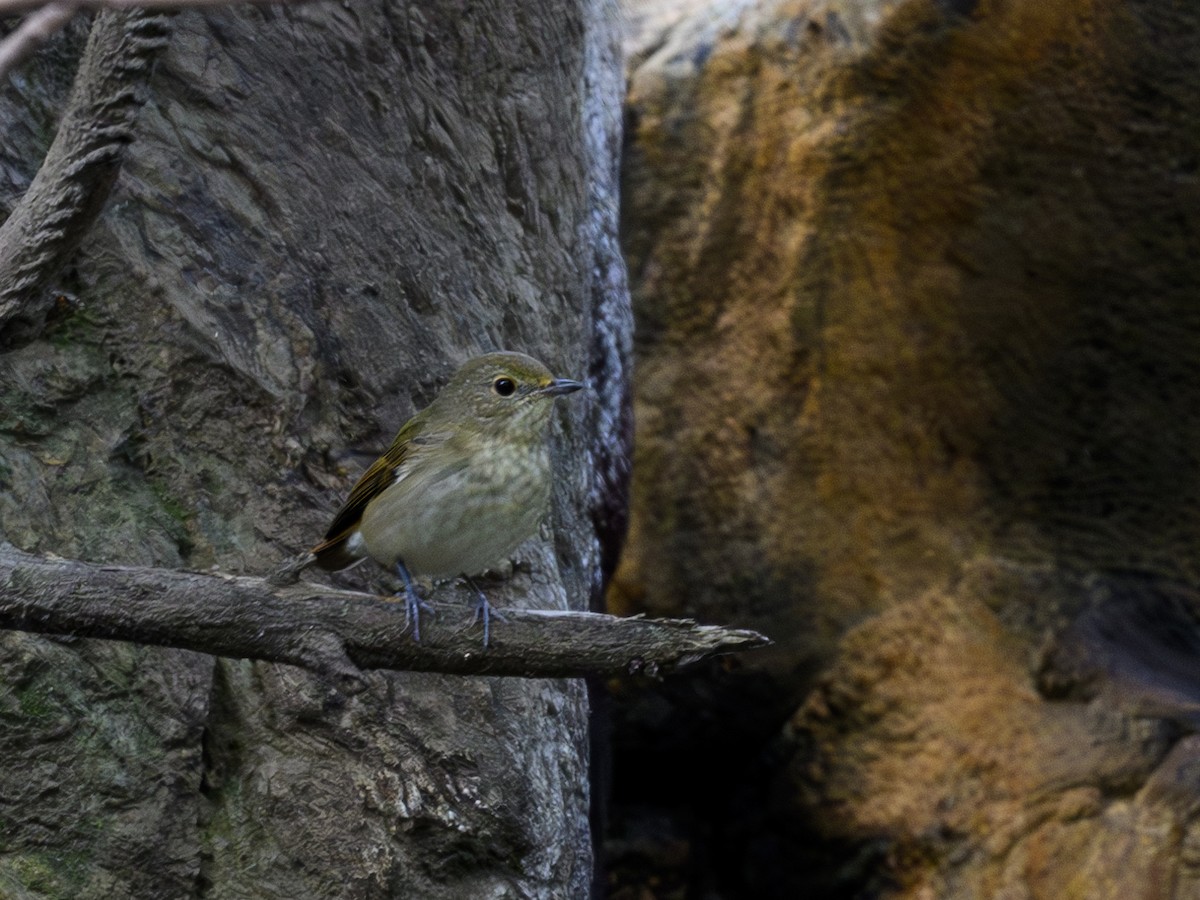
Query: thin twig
{"type": "Point", "coordinates": [37, 28]}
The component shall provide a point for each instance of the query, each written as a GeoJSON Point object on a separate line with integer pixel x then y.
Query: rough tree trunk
{"type": "Point", "coordinates": [326, 208]}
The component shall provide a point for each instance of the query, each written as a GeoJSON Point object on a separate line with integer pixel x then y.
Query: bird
{"type": "Point", "coordinates": [465, 481]}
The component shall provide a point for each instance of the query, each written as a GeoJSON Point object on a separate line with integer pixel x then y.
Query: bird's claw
{"type": "Point", "coordinates": [413, 607]}
{"type": "Point", "coordinates": [483, 612]}
{"type": "Point", "coordinates": [413, 604]}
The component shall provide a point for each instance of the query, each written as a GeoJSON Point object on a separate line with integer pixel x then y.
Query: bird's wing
{"type": "Point", "coordinates": [332, 553]}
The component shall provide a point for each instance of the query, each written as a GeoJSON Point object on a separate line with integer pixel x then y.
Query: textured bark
{"type": "Point", "coordinates": [327, 208]}
{"type": "Point", "coordinates": [336, 633]}
{"type": "Point", "coordinates": [73, 183]}
{"type": "Point", "coordinates": [917, 397]}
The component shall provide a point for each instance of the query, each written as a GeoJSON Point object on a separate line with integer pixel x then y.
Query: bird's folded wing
{"type": "Point", "coordinates": [332, 553]}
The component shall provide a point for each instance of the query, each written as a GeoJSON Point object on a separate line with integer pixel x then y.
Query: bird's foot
{"type": "Point", "coordinates": [413, 607]}
{"type": "Point", "coordinates": [483, 611]}
{"type": "Point", "coordinates": [413, 604]}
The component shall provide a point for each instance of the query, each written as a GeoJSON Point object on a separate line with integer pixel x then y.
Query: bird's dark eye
{"type": "Point", "coordinates": [504, 386]}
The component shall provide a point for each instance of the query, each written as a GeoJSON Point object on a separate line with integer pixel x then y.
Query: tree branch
{"type": "Point", "coordinates": [46, 19]}
{"type": "Point", "coordinates": [38, 27]}
{"type": "Point", "coordinates": [336, 632]}
{"type": "Point", "coordinates": [71, 187]}
{"type": "Point", "coordinates": [15, 7]}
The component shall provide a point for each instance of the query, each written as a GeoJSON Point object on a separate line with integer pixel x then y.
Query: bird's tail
{"type": "Point", "coordinates": [334, 554]}
{"type": "Point", "coordinates": [289, 571]}
{"type": "Point", "coordinates": [331, 555]}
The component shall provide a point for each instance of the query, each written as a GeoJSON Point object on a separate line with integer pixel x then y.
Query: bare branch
{"type": "Point", "coordinates": [47, 19]}
{"type": "Point", "coordinates": [37, 28]}
{"type": "Point", "coordinates": [336, 632]}
{"type": "Point", "coordinates": [16, 7]}
{"type": "Point", "coordinates": [73, 183]}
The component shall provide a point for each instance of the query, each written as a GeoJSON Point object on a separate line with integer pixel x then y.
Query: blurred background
{"type": "Point", "coordinates": [917, 354]}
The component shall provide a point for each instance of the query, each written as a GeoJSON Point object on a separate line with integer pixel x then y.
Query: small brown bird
{"type": "Point", "coordinates": [465, 481]}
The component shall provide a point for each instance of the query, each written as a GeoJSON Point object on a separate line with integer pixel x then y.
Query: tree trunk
{"type": "Point", "coordinates": [326, 208]}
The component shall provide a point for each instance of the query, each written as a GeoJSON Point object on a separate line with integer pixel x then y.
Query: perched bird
{"type": "Point", "coordinates": [465, 481]}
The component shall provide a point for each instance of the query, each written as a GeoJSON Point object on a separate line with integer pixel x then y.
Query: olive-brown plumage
{"type": "Point", "coordinates": [464, 482]}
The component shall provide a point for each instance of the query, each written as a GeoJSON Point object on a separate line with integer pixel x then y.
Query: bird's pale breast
{"type": "Point", "coordinates": [449, 515]}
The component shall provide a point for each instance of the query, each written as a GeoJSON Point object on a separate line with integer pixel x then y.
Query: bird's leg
{"type": "Point", "coordinates": [483, 610]}
{"type": "Point", "coordinates": [413, 604]}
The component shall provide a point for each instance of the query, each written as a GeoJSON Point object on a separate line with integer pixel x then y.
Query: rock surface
{"type": "Point", "coordinates": [917, 344]}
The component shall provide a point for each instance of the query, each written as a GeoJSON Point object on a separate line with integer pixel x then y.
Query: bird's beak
{"type": "Point", "coordinates": [560, 386]}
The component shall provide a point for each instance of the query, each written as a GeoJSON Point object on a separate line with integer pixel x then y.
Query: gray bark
{"type": "Point", "coordinates": [74, 180]}
{"type": "Point", "coordinates": [327, 208]}
{"type": "Point", "coordinates": [336, 632]}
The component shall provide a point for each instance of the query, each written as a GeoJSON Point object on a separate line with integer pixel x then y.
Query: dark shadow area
{"type": "Point", "coordinates": [701, 805]}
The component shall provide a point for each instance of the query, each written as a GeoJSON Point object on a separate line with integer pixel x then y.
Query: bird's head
{"type": "Point", "coordinates": [500, 391]}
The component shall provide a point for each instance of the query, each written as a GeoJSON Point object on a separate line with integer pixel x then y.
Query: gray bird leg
{"type": "Point", "coordinates": [413, 604]}
{"type": "Point", "coordinates": [483, 609]}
